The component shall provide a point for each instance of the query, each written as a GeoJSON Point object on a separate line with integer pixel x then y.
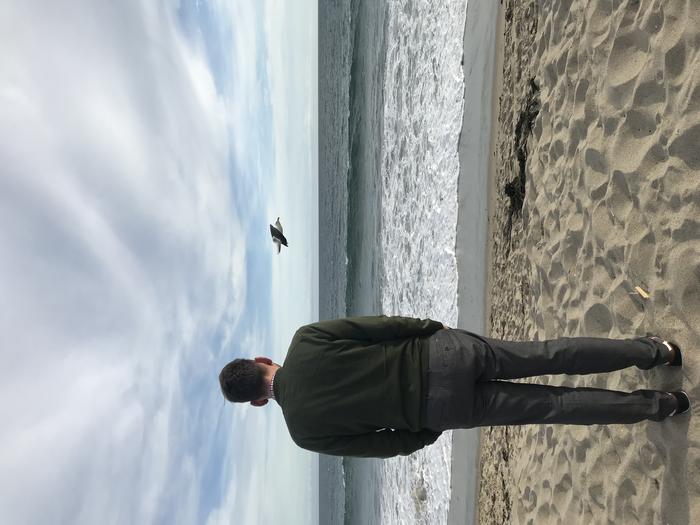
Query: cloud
{"type": "Point", "coordinates": [122, 258]}
{"type": "Point", "coordinates": [143, 146]}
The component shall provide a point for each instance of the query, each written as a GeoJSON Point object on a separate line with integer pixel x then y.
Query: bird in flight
{"type": "Point", "coordinates": [277, 236]}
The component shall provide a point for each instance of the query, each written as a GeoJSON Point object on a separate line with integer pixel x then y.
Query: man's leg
{"type": "Point", "coordinates": [504, 403]}
{"type": "Point", "coordinates": [498, 359]}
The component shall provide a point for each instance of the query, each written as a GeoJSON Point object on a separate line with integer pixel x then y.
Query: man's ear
{"type": "Point", "coordinates": [263, 360]}
{"type": "Point", "coordinates": [259, 402]}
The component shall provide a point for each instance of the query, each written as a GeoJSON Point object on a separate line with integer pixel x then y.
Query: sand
{"type": "Point", "coordinates": [612, 202]}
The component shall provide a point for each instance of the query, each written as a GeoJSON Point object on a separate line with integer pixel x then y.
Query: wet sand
{"type": "Point", "coordinates": [481, 40]}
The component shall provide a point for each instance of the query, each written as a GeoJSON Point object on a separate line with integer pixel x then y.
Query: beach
{"type": "Point", "coordinates": [527, 170]}
{"type": "Point", "coordinates": [594, 229]}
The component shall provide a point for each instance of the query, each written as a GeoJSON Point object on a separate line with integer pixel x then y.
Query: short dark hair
{"type": "Point", "coordinates": [242, 380]}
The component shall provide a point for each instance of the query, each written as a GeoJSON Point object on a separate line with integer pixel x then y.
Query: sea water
{"type": "Point", "coordinates": [391, 93]}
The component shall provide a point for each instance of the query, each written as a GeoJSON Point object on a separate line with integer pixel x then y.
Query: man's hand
{"type": "Point", "coordinates": [445, 327]}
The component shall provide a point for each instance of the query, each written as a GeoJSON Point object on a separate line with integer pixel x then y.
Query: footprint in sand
{"type": "Point", "coordinates": [628, 309]}
{"type": "Point", "coordinates": [636, 134]}
{"type": "Point", "coordinates": [597, 321]}
{"type": "Point", "coordinates": [649, 93]}
{"type": "Point", "coordinates": [596, 495]}
{"type": "Point", "coordinates": [627, 57]}
{"type": "Point", "coordinates": [684, 270]}
{"type": "Point", "coordinates": [675, 60]}
{"type": "Point", "coordinates": [687, 147]}
{"type": "Point", "coordinates": [619, 199]}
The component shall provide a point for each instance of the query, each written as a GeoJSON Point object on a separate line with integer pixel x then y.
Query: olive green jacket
{"type": "Point", "coordinates": [356, 386]}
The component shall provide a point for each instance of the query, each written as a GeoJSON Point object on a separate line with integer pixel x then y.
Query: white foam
{"type": "Point", "coordinates": [423, 101]}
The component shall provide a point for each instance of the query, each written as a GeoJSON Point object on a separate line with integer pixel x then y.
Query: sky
{"type": "Point", "coordinates": [145, 147]}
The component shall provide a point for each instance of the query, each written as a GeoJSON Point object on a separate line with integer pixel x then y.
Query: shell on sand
{"type": "Point", "coordinates": [643, 293]}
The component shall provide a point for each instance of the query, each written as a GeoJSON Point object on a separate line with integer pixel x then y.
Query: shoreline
{"type": "Point", "coordinates": [482, 47]}
{"type": "Point", "coordinates": [497, 90]}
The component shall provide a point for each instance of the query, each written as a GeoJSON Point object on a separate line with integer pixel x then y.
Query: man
{"type": "Point", "coordinates": [383, 386]}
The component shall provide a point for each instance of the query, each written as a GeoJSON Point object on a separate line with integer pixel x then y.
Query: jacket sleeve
{"type": "Point", "coordinates": [385, 443]}
{"type": "Point", "coordinates": [374, 329]}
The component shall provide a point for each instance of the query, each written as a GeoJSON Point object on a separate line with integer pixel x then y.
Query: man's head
{"type": "Point", "coordinates": [244, 380]}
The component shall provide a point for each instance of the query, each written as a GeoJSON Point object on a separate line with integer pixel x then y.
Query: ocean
{"type": "Point", "coordinates": [391, 102]}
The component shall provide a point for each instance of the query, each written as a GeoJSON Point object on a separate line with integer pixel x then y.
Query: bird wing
{"type": "Point", "coordinates": [278, 225]}
{"type": "Point", "coordinates": [276, 234]}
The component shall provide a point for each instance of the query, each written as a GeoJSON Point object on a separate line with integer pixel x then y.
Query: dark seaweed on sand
{"type": "Point", "coordinates": [515, 189]}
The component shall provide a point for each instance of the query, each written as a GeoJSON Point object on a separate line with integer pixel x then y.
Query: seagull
{"type": "Point", "coordinates": [277, 237]}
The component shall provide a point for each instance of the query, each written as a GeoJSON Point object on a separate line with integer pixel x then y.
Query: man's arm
{"type": "Point", "coordinates": [382, 444]}
{"type": "Point", "coordinates": [374, 329]}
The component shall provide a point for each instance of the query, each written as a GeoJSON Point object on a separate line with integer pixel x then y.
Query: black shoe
{"type": "Point", "coordinates": [682, 402]}
{"type": "Point", "coordinates": [672, 347]}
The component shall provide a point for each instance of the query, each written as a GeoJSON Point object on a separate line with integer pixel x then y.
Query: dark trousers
{"type": "Point", "coordinates": [465, 387]}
